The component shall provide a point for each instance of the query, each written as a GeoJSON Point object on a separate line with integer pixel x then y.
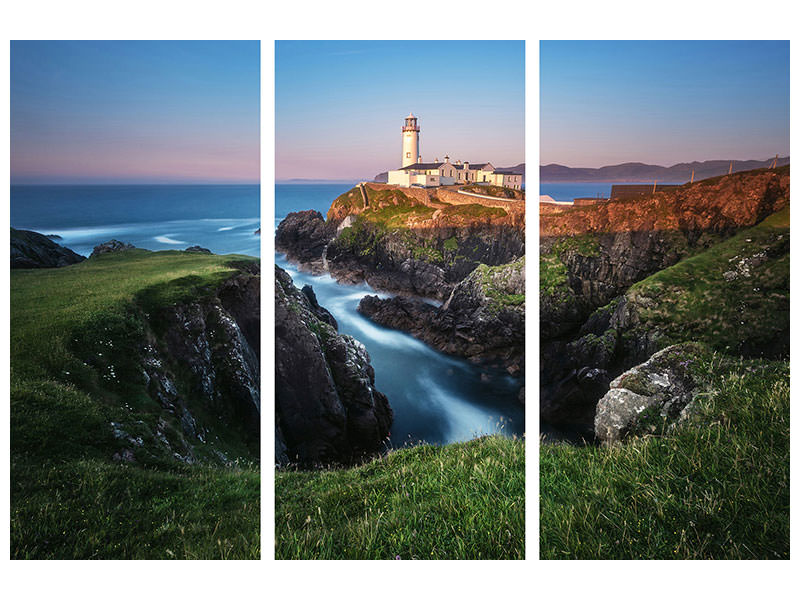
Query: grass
{"type": "Point", "coordinates": [472, 211]}
{"type": "Point", "coordinates": [496, 285]}
{"type": "Point", "coordinates": [552, 274]}
{"type": "Point", "coordinates": [75, 337]}
{"type": "Point", "coordinates": [733, 296]}
{"type": "Point", "coordinates": [495, 190]}
{"type": "Point", "coordinates": [461, 501]}
{"type": "Point", "coordinates": [716, 488]}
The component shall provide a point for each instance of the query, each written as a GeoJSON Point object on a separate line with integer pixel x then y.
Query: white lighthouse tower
{"type": "Point", "coordinates": [410, 141]}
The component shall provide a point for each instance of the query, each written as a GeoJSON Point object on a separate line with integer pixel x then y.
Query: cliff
{"type": "Point", "coordinates": [326, 406]}
{"type": "Point", "coordinates": [405, 240]}
{"type": "Point", "coordinates": [135, 375]}
{"type": "Point", "coordinates": [482, 320]}
{"type": "Point", "coordinates": [698, 263]}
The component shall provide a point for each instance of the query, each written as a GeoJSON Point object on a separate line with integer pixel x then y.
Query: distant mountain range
{"type": "Point", "coordinates": [634, 171]}
{"type": "Point", "coordinates": [384, 176]}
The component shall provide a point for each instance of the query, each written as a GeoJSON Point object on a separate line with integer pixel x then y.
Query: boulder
{"type": "Point", "coordinates": [650, 396]}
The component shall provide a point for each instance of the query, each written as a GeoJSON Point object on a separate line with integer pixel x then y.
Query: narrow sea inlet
{"type": "Point", "coordinates": [437, 399]}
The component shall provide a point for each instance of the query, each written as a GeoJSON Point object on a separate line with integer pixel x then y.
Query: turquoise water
{"type": "Point", "coordinates": [436, 398]}
{"type": "Point", "coordinates": [222, 218]}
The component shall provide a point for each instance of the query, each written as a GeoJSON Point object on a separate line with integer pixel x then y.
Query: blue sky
{"type": "Point", "coordinates": [339, 106]}
{"type": "Point", "coordinates": [605, 103]}
{"type": "Point", "coordinates": [140, 112]}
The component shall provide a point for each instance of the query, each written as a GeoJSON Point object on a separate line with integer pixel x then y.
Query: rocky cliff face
{"type": "Point", "coordinates": [483, 319]}
{"type": "Point", "coordinates": [610, 295]}
{"type": "Point", "coordinates": [197, 359]}
{"type": "Point", "coordinates": [403, 241]}
{"type": "Point", "coordinates": [31, 250]}
{"type": "Point", "coordinates": [327, 408]}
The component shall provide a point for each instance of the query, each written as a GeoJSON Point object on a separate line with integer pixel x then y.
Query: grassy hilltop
{"type": "Point", "coordinates": [75, 384]}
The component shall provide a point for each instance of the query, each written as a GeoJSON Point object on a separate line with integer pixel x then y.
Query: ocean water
{"type": "Point", "coordinates": [564, 192]}
{"type": "Point", "coordinates": [436, 398]}
{"type": "Point", "coordinates": [222, 218]}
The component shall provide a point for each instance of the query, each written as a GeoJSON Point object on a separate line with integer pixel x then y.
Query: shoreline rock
{"type": "Point", "coordinates": [32, 250]}
{"type": "Point", "coordinates": [111, 246]}
{"type": "Point", "coordinates": [327, 409]}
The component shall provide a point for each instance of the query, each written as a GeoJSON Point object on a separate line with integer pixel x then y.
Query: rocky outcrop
{"type": "Point", "coordinates": [199, 360]}
{"type": "Point", "coordinates": [720, 205]}
{"type": "Point", "coordinates": [611, 297]}
{"type": "Point", "coordinates": [198, 250]}
{"type": "Point", "coordinates": [425, 262]}
{"type": "Point", "coordinates": [31, 250]}
{"type": "Point", "coordinates": [110, 246]}
{"type": "Point", "coordinates": [303, 237]}
{"type": "Point", "coordinates": [404, 240]}
{"type": "Point", "coordinates": [483, 319]}
{"type": "Point", "coordinates": [603, 249]}
{"type": "Point", "coordinates": [326, 405]}
{"type": "Point", "coordinates": [650, 397]}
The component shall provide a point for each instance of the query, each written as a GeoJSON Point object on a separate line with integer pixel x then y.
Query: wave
{"type": "Point", "coordinates": [163, 239]}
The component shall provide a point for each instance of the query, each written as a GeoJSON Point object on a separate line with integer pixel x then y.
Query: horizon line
{"type": "Point", "coordinates": [44, 183]}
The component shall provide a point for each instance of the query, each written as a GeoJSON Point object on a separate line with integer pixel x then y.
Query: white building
{"type": "Point", "coordinates": [417, 173]}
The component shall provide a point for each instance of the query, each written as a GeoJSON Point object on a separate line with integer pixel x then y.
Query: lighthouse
{"type": "Point", "coordinates": [410, 141]}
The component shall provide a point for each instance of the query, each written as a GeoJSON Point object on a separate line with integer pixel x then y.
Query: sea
{"type": "Point", "coordinates": [222, 218]}
{"type": "Point", "coordinates": [568, 191]}
{"type": "Point", "coordinates": [437, 399]}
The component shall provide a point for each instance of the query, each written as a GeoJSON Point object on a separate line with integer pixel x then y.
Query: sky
{"type": "Point", "coordinates": [605, 103]}
{"type": "Point", "coordinates": [135, 112]}
{"type": "Point", "coordinates": [339, 106]}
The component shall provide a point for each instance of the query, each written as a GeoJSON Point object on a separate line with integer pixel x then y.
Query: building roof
{"type": "Point", "coordinates": [436, 165]}
{"type": "Point", "coordinates": [422, 166]}
{"type": "Point", "coordinates": [509, 171]}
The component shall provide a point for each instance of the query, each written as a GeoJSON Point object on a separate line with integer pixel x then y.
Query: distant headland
{"type": "Point", "coordinates": [635, 171]}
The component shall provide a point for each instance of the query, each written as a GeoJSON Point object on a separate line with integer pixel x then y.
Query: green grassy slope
{"type": "Point", "coordinates": [462, 501]}
{"type": "Point", "coordinates": [733, 296]}
{"type": "Point", "coordinates": [715, 489]}
{"type": "Point", "coordinates": [74, 332]}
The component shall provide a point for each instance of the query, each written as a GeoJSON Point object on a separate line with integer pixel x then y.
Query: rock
{"type": "Point", "coordinates": [326, 405]}
{"type": "Point", "coordinates": [257, 231]}
{"type": "Point", "coordinates": [303, 237]}
{"type": "Point", "coordinates": [483, 320]}
{"type": "Point", "coordinates": [125, 455]}
{"type": "Point", "coordinates": [31, 250]}
{"type": "Point", "coordinates": [198, 250]}
{"type": "Point", "coordinates": [424, 257]}
{"type": "Point", "coordinates": [320, 312]}
{"type": "Point", "coordinates": [648, 397]}
{"type": "Point", "coordinates": [110, 246]}
{"type": "Point", "coordinates": [206, 359]}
